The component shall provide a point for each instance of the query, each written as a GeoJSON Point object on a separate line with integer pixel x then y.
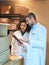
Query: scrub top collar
{"type": "Point", "coordinates": [35, 25]}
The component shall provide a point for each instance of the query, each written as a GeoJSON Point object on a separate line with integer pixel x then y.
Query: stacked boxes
{"type": "Point", "coordinates": [3, 30]}
{"type": "Point", "coordinates": [4, 44]}
{"type": "Point", "coordinates": [4, 48]}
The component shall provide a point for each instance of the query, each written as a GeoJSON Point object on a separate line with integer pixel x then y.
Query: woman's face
{"type": "Point", "coordinates": [23, 26]}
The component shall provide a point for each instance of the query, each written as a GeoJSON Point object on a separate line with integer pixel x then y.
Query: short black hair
{"type": "Point", "coordinates": [31, 15]}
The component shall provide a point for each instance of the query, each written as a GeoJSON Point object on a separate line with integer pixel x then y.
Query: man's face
{"type": "Point", "coordinates": [29, 21]}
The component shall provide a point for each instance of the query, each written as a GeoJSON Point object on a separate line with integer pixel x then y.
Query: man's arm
{"type": "Point", "coordinates": [39, 38]}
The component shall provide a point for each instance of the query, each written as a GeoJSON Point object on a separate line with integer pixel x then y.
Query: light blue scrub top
{"type": "Point", "coordinates": [36, 53]}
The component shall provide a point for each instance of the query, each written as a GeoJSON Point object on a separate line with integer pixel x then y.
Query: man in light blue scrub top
{"type": "Point", "coordinates": [36, 51]}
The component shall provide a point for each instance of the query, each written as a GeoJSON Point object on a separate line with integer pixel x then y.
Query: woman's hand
{"type": "Point", "coordinates": [19, 44]}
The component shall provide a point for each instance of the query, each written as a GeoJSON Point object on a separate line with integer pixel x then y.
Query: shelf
{"type": "Point", "coordinates": [9, 15]}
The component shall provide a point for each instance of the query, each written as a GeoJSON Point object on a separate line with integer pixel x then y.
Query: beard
{"type": "Point", "coordinates": [30, 25]}
{"type": "Point", "coordinates": [28, 28]}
